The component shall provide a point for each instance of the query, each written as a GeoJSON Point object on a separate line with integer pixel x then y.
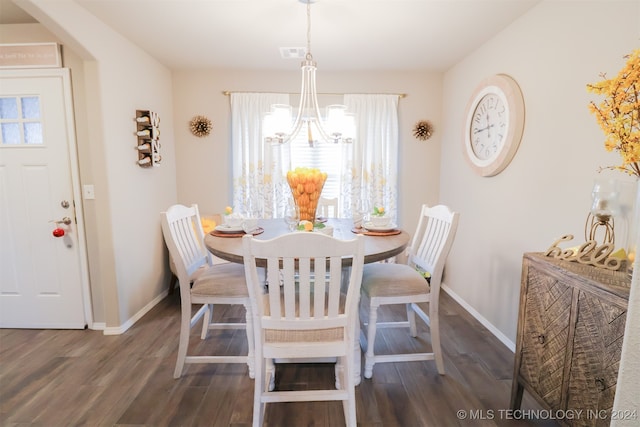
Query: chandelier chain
{"type": "Point", "coordinates": [308, 55]}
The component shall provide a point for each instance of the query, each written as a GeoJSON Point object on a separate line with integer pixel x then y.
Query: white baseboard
{"type": "Point", "coordinates": [502, 337]}
{"type": "Point", "coordinates": [98, 326]}
{"type": "Point", "coordinates": [129, 323]}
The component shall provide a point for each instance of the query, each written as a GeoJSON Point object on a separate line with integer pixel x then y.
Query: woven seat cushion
{"type": "Point", "coordinates": [300, 336]}
{"type": "Point", "coordinates": [315, 335]}
{"type": "Point", "coordinates": [225, 280]}
{"type": "Point", "coordinates": [389, 280]}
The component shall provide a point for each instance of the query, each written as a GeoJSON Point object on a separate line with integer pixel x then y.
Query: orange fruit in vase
{"type": "Point", "coordinates": [309, 187]}
{"type": "Point", "coordinates": [306, 185]}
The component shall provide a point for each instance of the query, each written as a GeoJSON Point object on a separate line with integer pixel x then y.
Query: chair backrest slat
{"type": "Point", "coordinates": [320, 290]}
{"type": "Point", "coordinates": [304, 279]}
{"type": "Point", "coordinates": [334, 286]}
{"type": "Point", "coordinates": [273, 274]}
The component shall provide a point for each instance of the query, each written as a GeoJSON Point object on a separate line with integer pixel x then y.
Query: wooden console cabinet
{"type": "Point", "coordinates": [570, 331]}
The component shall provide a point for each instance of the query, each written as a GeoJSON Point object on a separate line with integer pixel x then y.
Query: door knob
{"type": "Point", "coordinates": [66, 221]}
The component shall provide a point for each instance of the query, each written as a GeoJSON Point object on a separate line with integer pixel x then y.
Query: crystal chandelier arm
{"type": "Point", "coordinates": [297, 124]}
{"type": "Point", "coordinates": [313, 105]}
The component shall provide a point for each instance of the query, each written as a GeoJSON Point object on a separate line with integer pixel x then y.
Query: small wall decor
{"type": "Point", "coordinates": [200, 126]}
{"type": "Point", "coordinates": [148, 134]}
{"type": "Point", "coordinates": [423, 130]}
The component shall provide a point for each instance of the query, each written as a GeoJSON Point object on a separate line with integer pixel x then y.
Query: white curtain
{"type": "Point", "coordinates": [257, 182]}
{"type": "Point", "coordinates": [370, 163]}
{"type": "Point", "coordinates": [374, 169]}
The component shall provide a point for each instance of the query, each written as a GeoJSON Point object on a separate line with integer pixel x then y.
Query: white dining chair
{"type": "Point", "coordinates": [328, 207]}
{"type": "Point", "coordinates": [203, 283]}
{"type": "Point", "coordinates": [214, 219]}
{"type": "Point", "coordinates": [297, 317]}
{"type": "Point", "coordinates": [410, 284]}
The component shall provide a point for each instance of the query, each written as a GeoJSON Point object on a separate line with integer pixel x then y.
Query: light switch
{"type": "Point", "coordinates": [88, 192]}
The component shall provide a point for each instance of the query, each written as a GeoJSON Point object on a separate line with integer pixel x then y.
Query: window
{"type": "Point", "coordinates": [20, 120]}
{"type": "Point", "coordinates": [326, 156]}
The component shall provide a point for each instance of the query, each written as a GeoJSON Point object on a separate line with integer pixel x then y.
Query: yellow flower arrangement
{"type": "Point", "coordinates": [379, 211]}
{"type": "Point", "coordinates": [619, 114]}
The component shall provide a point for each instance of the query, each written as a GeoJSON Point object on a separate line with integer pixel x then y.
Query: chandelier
{"type": "Point", "coordinates": [331, 129]}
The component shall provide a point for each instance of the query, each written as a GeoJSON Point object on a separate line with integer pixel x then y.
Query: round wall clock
{"type": "Point", "coordinates": [494, 124]}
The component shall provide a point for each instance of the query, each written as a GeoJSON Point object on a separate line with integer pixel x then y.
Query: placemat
{"type": "Point", "coordinates": [375, 233]}
{"type": "Point", "coordinates": [255, 232]}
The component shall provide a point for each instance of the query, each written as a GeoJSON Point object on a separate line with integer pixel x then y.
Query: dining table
{"type": "Point", "coordinates": [379, 245]}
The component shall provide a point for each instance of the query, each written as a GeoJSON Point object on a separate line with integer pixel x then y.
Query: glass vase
{"type": "Point", "coordinates": [306, 186]}
{"type": "Point", "coordinates": [633, 233]}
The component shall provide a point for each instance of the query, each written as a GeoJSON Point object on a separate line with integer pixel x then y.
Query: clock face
{"type": "Point", "coordinates": [494, 124]}
{"type": "Point", "coordinates": [489, 126]}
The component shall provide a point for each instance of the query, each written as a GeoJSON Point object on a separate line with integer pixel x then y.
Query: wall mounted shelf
{"type": "Point", "coordinates": [148, 136]}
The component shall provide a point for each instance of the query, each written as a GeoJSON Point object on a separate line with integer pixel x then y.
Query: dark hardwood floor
{"type": "Point", "coordinates": [68, 378]}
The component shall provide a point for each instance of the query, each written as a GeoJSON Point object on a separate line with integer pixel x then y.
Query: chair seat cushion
{"type": "Point", "coordinates": [225, 280]}
{"type": "Point", "coordinates": [389, 280]}
{"type": "Point", "coordinates": [302, 336]}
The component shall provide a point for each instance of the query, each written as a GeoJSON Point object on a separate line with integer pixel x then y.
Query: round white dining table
{"type": "Point", "coordinates": [377, 246]}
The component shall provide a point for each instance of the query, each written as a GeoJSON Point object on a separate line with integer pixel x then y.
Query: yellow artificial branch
{"type": "Point", "coordinates": [618, 115]}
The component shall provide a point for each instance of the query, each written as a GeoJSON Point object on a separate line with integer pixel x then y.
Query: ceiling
{"type": "Point", "coordinates": [345, 34]}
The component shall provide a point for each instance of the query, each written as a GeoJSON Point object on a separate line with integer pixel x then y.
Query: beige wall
{"type": "Point", "coordinates": [111, 79]}
{"type": "Point", "coordinates": [553, 52]}
{"type": "Point", "coordinates": [202, 163]}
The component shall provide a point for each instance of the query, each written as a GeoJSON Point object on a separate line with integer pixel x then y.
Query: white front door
{"type": "Point", "coordinates": [43, 279]}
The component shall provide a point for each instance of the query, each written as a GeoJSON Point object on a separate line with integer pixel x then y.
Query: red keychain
{"type": "Point", "coordinates": [58, 232]}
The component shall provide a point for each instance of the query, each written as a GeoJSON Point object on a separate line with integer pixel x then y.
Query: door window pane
{"type": "Point", "coordinates": [33, 133]}
{"type": "Point", "coordinates": [8, 108]}
{"type": "Point", "coordinates": [10, 133]}
{"type": "Point", "coordinates": [31, 107]}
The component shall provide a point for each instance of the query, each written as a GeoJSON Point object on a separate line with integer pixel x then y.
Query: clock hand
{"type": "Point", "coordinates": [489, 126]}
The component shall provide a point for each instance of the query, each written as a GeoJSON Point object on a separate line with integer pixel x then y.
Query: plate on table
{"type": "Point", "coordinates": [228, 229]}
{"type": "Point", "coordinates": [388, 227]}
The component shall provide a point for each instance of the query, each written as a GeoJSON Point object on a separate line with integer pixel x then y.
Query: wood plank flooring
{"type": "Point", "coordinates": [84, 378]}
